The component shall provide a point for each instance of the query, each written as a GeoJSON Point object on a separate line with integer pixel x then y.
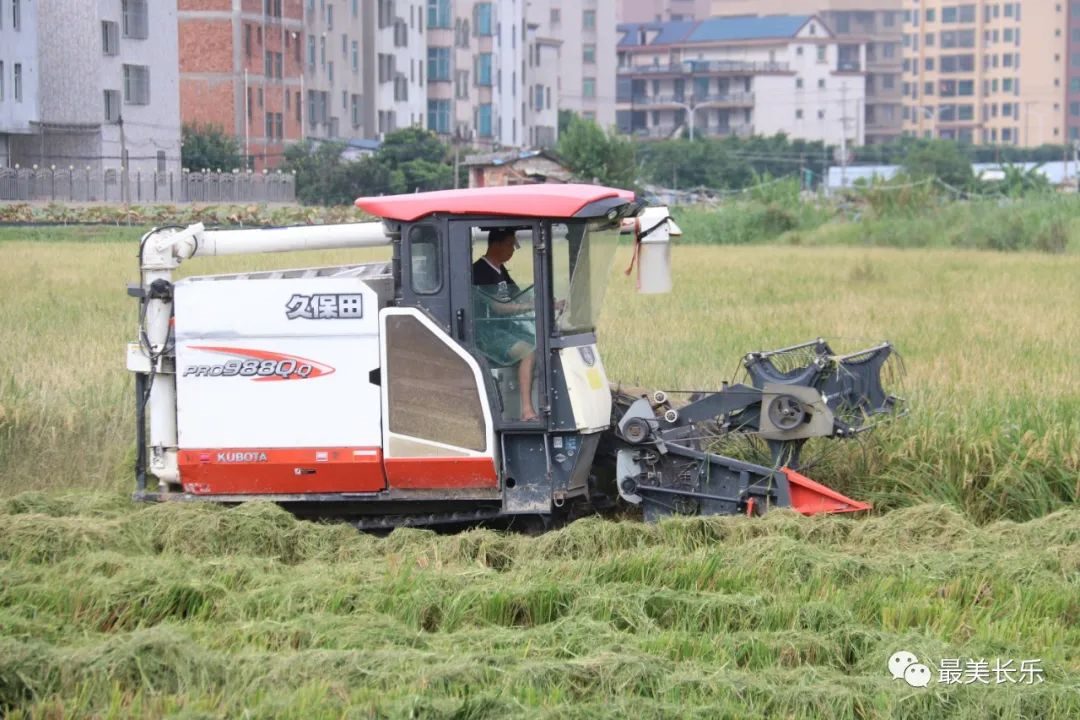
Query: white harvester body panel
{"type": "Point", "coordinates": [587, 385]}
{"type": "Point", "coordinates": [277, 363]}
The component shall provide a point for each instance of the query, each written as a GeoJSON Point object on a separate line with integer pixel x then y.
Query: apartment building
{"type": "Point", "coordinates": [241, 68]}
{"type": "Point", "coordinates": [1072, 92]}
{"type": "Point", "coordinates": [642, 11]}
{"type": "Point", "coordinates": [493, 73]}
{"type": "Point", "coordinates": [587, 74]}
{"type": "Point", "coordinates": [395, 83]}
{"type": "Point", "coordinates": [739, 75]}
{"type": "Point", "coordinates": [544, 77]}
{"type": "Point", "coordinates": [991, 72]}
{"type": "Point", "coordinates": [84, 84]}
{"type": "Point", "coordinates": [462, 71]}
{"type": "Point", "coordinates": [19, 78]}
{"type": "Point", "coordinates": [877, 24]}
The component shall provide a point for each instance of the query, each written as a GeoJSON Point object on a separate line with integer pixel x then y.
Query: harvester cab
{"type": "Point", "coordinates": [459, 382]}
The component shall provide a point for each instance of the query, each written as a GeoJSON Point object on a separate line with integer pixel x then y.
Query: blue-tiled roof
{"type": "Point", "coordinates": [718, 29]}
{"type": "Point", "coordinates": [747, 28]}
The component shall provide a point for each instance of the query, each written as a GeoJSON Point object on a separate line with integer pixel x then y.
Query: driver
{"type": "Point", "coordinates": [507, 342]}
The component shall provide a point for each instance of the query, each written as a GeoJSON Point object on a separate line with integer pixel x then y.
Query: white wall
{"type": "Point", "coordinates": [19, 47]}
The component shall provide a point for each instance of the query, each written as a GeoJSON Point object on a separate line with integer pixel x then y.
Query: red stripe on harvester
{"type": "Point", "coordinates": [439, 473]}
{"type": "Point", "coordinates": [265, 471]}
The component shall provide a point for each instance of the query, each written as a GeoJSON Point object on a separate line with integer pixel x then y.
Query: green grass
{"type": "Point", "coordinates": [110, 610]}
{"type": "Point", "coordinates": [1044, 223]}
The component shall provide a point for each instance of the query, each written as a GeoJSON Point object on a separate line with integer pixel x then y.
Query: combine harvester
{"type": "Point", "coordinates": [391, 393]}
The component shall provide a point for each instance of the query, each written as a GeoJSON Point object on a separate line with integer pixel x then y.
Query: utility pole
{"type": "Point", "coordinates": [124, 170]}
{"type": "Point", "coordinates": [843, 135]}
{"type": "Point", "coordinates": [247, 121]}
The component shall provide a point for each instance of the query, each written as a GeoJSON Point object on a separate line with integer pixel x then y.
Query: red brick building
{"type": "Point", "coordinates": [243, 70]}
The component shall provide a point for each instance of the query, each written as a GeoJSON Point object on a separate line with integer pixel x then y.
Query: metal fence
{"type": "Point", "coordinates": [120, 186]}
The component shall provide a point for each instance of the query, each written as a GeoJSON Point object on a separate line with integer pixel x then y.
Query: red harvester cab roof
{"type": "Point", "coordinates": [549, 200]}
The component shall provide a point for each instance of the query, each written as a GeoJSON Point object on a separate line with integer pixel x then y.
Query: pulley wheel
{"type": "Point", "coordinates": [786, 412]}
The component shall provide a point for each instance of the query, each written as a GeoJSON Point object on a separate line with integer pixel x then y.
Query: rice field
{"type": "Point", "coordinates": [972, 553]}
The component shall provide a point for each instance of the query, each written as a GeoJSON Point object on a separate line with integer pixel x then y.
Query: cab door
{"type": "Point", "coordinates": [436, 418]}
{"type": "Point", "coordinates": [478, 326]}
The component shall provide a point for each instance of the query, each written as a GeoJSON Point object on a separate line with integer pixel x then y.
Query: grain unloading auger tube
{"type": "Point", "coordinates": [397, 392]}
{"type": "Point", "coordinates": [795, 394]}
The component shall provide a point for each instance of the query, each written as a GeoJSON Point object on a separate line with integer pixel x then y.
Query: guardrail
{"type": "Point", "coordinates": [121, 186]}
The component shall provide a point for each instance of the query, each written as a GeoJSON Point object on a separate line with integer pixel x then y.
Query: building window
{"type": "Point", "coordinates": [483, 120]}
{"type": "Point", "coordinates": [401, 89]}
{"type": "Point", "coordinates": [588, 19]}
{"type": "Point", "coordinates": [355, 56]}
{"type": "Point", "coordinates": [136, 19]}
{"type": "Point", "coordinates": [329, 17]}
{"type": "Point", "coordinates": [16, 15]}
{"type": "Point", "coordinates": [322, 50]}
{"type": "Point", "coordinates": [311, 52]}
{"type": "Point", "coordinates": [461, 84]}
{"type": "Point", "coordinates": [136, 84]}
{"type": "Point", "coordinates": [821, 49]}
{"type": "Point", "coordinates": [798, 114]}
{"type": "Point", "coordinates": [821, 83]}
{"type": "Point", "coordinates": [386, 13]}
{"type": "Point", "coordinates": [821, 114]}
{"type": "Point", "coordinates": [482, 18]}
{"type": "Point", "coordinates": [1, 81]}
{"type": "Point", "coordinates": [556, 16]}
{"type": "Point", "coordinates": [439, 116]}
{"type": "Point", "coordinates": [483, 69]}
{"type": "Point", "coordinates": [110, 37]}
{"type": "Point", "coordinates": [588, 87]}
{"type": "Point", "coordinates": [438, 64]}
{"type": "Point", "coordinates": [112, 105]}
{"type": "Point", "coordinates": [439, 14]}
{"type": "Point", "coordinates": [798, 83]}
{"type": "Point", "coordinates": [355, 110]}
{"type": "Point", "coordinates": [387, 67]}
{"type": "Point", "coordinates": [161, 161]}
{"type": "Point", "coordinates": [588, 53]}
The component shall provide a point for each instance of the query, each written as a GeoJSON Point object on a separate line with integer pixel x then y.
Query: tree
{"type": "Point", "coordinates": [412, 143]}
{"type": "Point", "coordinates": [939, 159]}
{"type": "Point", "coordinates": [565, 116]}
{"type": "Point", "coordinates": [208, 147]}
{"type": "Point", "coordinates": [408, 160]}
{"type": "Point", "coordinates": [730, 162]}
{"type": "Point", "coordinates": [595, 156]}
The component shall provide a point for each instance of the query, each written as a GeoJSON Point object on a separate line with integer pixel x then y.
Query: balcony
{"type": "Point", "coordinates": [667, 132]}
{"type": "Point", "coordinates": [742, 99]}
{"type": "Point", "coordinates": [892, 64]}
{"type": "Point", "coordinates": [702, 67]}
